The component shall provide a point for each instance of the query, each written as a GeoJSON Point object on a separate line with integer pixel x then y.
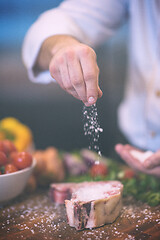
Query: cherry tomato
{"type": "Point", "coordinates": [3, 148]}
{"type": "Point", "coordinates": [22, 160]}
{"type": "Point", "coordinates": [98, 170]}
{"type": "Point", "coordinates": [129, 173]}
{"type": "Point", "coordinates": [12, 156]}
{"type": "Point", "coordinates": [126, 174]}
{"type": "Point", "coordinates": [10, 168]}
{"type": "Point", "coordinates": [3, 159]}
{"type": "Point", "coordinates": [9, 146]}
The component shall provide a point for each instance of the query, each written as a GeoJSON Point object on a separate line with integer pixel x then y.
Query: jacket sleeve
{"type": "Point", "coordinates": [90, 21]}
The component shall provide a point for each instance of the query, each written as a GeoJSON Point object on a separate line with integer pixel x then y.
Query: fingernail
{"type": "Point", "coordinates": [91, 99]}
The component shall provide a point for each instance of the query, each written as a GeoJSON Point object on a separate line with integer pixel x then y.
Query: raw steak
{"type": "Point", "coordinates": [89, 204]}
{"type": "Point", "coordinates": [59, 192]}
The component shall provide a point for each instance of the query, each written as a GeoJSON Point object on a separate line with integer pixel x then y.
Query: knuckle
{"type": "Point", "coordinates": [86, 51]}
{"type": "Point", "coordinates": [77, 81]}
{"type": "Point", "coordinates": [89, 76]}
{"type": "Point", "coordinates": [60, 60]}
{"type": "Point", "coordinates": [93, 53]}
{"type": "Point", "coordinates": [70, 55]}
{"type": "Point", "coordinates": [68, 87]}
{"type": "Point", "coordinates": [53, 69]}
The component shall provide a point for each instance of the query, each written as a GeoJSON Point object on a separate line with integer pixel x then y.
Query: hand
{"type": "Point", "coordinates": [75, 68]}
{"type": "Point", "coordinates": [73, 65]}
{"type": "Point", "coordinates": [150, 166]}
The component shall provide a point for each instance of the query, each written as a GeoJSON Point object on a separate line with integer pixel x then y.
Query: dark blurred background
{"type": "Point", "coordinates": [54, 117]}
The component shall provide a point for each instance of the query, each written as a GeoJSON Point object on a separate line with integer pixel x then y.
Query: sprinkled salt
{"type": "Point", "coordinates": [92, 127]}
{"type": "Point", "coordinates": [88, 193]}
{"type": "Point", "coordinates": [50, 222]}
{"type": "Point", "coordinates": [32, 231]}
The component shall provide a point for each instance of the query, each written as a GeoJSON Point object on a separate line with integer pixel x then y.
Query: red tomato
{"type": "Point", "coordinates": [12, 156]}
{"type": "Point", "coordinates": [3, 147]}
{"type": "Point", "coordinates": [10, 168]}
{"type": "Point", "coordinates": [9, 146]}
{"type": "Point", "coordinates": [3, 159]}
{"type": "Point", "coordinates": [129, 173]}
{"type": "Point", "coordinates": [22, 160]}
{"type": "Point", "coordinates": [98, 170]}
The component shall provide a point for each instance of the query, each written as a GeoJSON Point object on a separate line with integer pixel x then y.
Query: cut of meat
{"type": "Point", "coordinates": [89, 204]}
{"type": "Point", "coordinates": [94, 205]}
{"type": "Point", "coordinates": [59, 192]}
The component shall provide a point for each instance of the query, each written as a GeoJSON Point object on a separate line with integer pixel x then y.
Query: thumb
{"type": "Point", "coordinates": [153, 161]}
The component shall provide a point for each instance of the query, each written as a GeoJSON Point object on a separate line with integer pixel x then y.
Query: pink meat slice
{"type": "Point", "coordinates": [89, 204]}
{"type": "Point", "coordinates": [59, 192]}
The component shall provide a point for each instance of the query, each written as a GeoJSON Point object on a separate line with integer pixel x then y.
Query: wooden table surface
{"type": "Point", "coordinates": [35, 217]}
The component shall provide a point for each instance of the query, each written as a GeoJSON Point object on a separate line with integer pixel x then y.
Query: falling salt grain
{"type": "Point", "coordinates": [92, 127]}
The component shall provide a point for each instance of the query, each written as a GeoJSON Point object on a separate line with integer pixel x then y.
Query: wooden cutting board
{"type": "Point", "coordinates": [35, 217]}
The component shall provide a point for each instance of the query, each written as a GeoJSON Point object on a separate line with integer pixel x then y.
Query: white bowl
{"type": "Point", "coordinates": [12, 184]}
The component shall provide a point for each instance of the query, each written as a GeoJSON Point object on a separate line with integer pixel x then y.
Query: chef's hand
{"type": "Point", "coordinates": [73, 65]}
{"type": "Point", "coordinates": [150, 166]}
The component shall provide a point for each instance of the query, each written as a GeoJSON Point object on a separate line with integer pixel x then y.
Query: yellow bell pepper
{"type": "Point", "coordinates": [14, 130]}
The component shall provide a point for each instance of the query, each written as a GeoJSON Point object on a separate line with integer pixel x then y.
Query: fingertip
{"type": "Point", "coordinates": [118, 147]}
{"type": "Point", "coordinates": [91, 100]}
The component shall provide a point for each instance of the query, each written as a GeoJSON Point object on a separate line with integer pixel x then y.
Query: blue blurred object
{"type": "Point", "coordinates": [17, 16]}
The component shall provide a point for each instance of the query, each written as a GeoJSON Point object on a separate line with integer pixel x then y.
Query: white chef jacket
{"type": "Point", "coordinates": [92, 22]}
